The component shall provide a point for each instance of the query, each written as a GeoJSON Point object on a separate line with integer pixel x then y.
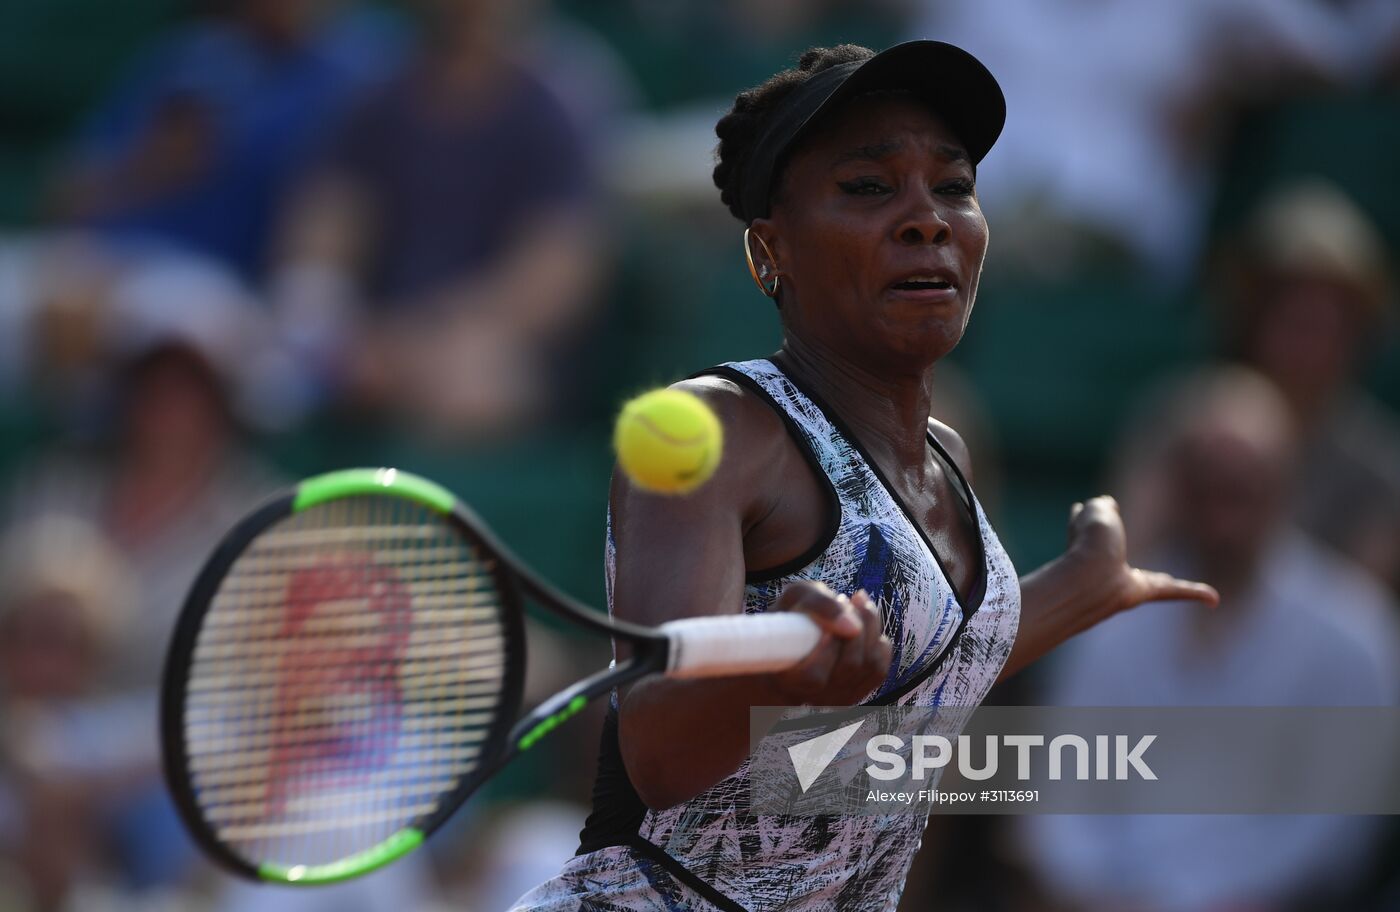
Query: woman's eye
{"type": "Point", "coordinates": [864, 186]}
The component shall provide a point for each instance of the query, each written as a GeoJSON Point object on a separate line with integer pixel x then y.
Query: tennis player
{"type": "Point", "coordinates": [854, 175]}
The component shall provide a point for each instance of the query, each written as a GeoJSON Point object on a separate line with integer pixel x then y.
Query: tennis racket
{"type": "Point", "coordinates": [347, 669]}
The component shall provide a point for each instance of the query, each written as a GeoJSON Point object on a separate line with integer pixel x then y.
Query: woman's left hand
{"type": "Point", "coordinates": [1099, 546]}
{"type": "Point", "coordinates": [1089, 583]}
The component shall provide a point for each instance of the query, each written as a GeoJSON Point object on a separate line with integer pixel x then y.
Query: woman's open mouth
{"type": "Point", "coordinates": [921, 283]}
{"type": "Point", "coordinates": [930, 287]}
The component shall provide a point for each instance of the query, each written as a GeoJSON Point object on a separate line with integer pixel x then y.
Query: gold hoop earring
{"type": "Point", "coordinates": [760, 274]}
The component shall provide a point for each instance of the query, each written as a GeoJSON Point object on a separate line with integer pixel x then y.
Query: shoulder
{"type": "Point", "coordinates": [1325, 579]}
{"type": "Point", "coordinates": [1339, 596]}
{"type": "Point", "coordinates": [754, 434]}
{"type": "Point", "coordinates": [1368, 435]}
{"type": "Point", "coordinates": [366, 44]}
{"type": "Point", "coordinates": [1333, 628]}
{"type": "Point", "coordinates": [176, 62]}
{"type": "Point", "coordinates": [204, 59]}
{"type": "Point", "coordinates": [757, 457]}
{"type": "Point", "coordinates": [952, 441]}
{"type": "Point", "coordinates": [703, 533]}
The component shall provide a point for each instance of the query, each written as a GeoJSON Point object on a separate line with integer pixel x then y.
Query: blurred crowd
{"type": "Point", "coordinates": [242, 241]}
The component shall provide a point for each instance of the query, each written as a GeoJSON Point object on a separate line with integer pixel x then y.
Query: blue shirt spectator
{"type": "Point", "coordinates": [452, 185]}
{"type": "Point", "coordinates": [441, 263]}
{"type": "Point", "coordinates": [199, 143]}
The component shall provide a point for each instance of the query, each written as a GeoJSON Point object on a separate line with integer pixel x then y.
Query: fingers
{"type": "Point", "coordinates": [853, 655]}
{"type": "Point", "coordinates": [833, 613]}
{"type": "Point", "coordinates": [1163, 587]}
{"type": "Point", "coordinates": [1074, 511]}
{"type": "Point", "coordinates": [858, 659]}
{"type": "Point", "coordinates": [1096, 535]}
{"type": "Point", "coordinates": [1097, 507]}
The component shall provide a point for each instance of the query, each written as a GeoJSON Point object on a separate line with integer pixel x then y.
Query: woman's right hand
{"type": "Point", "coordinates": [851, 659]}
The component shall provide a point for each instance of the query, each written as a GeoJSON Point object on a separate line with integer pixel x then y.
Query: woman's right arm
{"type": "Point", "coordinates": [684, 557]}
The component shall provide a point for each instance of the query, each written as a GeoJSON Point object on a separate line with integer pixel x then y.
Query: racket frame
{"type": "Point", "coordinates": [180, 656]}
{"type": "Point", "coordinates": [508, 735]}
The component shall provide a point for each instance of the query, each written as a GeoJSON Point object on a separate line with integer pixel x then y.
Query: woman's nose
{"type": "Point", "coordinates": [922, 223]}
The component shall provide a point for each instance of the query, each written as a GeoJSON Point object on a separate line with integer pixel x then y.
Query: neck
{"type": "Point", "coordinates": [887, 412]}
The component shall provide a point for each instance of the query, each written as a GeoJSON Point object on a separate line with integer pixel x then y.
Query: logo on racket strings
{"type": "Point", "coordinates": [339, 706]}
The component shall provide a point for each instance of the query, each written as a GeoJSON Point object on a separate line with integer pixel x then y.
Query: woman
{"type": "Point", "coordinates": [838, 497]}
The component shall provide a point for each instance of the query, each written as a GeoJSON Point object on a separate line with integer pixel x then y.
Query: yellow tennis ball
{"type": "Point", "coordinates": [668, 441]}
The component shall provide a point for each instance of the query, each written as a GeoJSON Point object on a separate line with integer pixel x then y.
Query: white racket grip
{"type": "Point", "coordinates": [710, 647]}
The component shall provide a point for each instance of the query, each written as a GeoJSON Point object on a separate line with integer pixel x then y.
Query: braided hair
{"type": "Point", "coordinates": [741, 127]}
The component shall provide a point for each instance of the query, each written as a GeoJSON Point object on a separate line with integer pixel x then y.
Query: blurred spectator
{"type": "Point", "coordinates": [70, 305]}
{"type": "Point", "coordinates": [1306, 298]}
{"type": "Point", "coordinates": [165, 347]}
{"type": "Point", "coordinates": [441, 263]}
{"type": "Point", "coordinates": [85, 811]}
{"type": "Point", "coordinates": [1112, 106]}
{"type": "Point", "coordinates": [1296, 626]}
{"type": "Point", "coordinates": [197, 147]}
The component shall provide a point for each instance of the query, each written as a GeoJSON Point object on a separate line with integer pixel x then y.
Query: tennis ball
{"type": "Point", "coordinates": [668, 441]}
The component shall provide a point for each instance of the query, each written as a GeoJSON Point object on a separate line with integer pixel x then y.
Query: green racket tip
{"type": "Point", "coordinates": [396, 846]}
{"type": "Point", "coordinates": [351, 482]}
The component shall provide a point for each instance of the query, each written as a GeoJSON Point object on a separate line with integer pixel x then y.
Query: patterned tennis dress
{"type": "Point", "coordinates": [711, 852]}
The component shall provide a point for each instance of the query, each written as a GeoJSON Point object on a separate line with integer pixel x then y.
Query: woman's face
{"type": "Point", "coordinates": [878, 235]}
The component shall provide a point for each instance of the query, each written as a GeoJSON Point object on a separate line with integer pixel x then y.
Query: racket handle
{"type": "Point", "coordinates": [708, 647]}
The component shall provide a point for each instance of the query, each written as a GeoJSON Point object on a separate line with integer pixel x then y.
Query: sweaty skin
{"type": "Point", "coordinates": [881, 195]}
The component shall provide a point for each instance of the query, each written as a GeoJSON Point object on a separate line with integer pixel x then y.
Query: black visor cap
{"type": "Point", "coordinates": [950, 80]}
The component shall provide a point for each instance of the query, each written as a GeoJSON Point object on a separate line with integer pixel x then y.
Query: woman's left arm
{"type": "Point", "coordinates": [1089, 583]}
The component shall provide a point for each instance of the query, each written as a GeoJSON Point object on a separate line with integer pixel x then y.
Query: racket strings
{"type": "Point", "coordinates": [345, 680]}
